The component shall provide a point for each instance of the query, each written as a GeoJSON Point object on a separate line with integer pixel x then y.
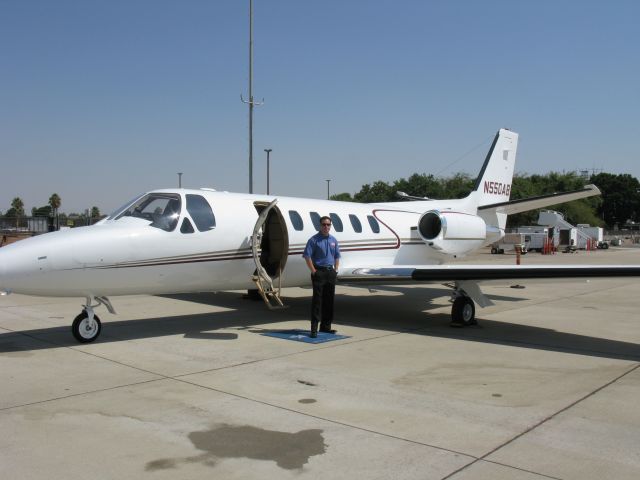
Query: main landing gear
{"type": "Point", "coordinates": [87, 326]}
{"type": "Point", "coordinates": [463, 310]}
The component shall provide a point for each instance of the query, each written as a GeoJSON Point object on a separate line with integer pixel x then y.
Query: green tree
{"type": "Point", "coordinates": [417, 185]}
{"type": "Point", "coordinates": [523, 186]}
{"type": "Point", "coordinates": [527, 186]}
{"type": "Point", "coordinates": [420, 185]}
{"type": "Point", "coordinates": [18, 206]}
{"type": "Point", "coordinates": [342, 197]}
{"type": "Point", "coordinates": [95, 212]}
{"type": "Point", "coordinates": [378, 192]}
{"type": "Point", "coordinates": [620, 198]}
{"type": "Point", "coordinates": [17, 209]}
{"type": "Point", "coordinates": [55, 201]}
{"type": "Point", "coordinates": [44, 211]}
{"type": "Point", "coordinates": [459, 186]}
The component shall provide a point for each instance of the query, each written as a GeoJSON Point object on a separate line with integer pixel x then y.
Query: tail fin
{"type": "Point", "coordinates": [494, 182]}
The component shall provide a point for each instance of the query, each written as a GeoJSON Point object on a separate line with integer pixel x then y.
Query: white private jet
{"type": "Point", "coordinates": [183, 240]}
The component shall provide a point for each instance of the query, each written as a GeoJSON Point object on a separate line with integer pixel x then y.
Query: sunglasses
{"type": "Point", "coordinates": [325, 224]}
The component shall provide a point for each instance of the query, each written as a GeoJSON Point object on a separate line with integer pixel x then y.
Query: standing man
{"type": "Point", "coordinates": [322, 255]}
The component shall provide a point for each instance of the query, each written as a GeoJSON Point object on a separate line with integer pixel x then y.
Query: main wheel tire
{"type": "Point", "coordinates": [494, 250]}
{"type": "Point", "coordinates": [463, 312]}
{"type": "Point", "coordinates": [83, 331]}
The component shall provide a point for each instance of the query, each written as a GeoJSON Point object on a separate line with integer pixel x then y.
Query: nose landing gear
{"type": "Point", "coordinates": [87, 326]}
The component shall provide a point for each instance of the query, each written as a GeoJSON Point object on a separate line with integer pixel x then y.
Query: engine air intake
{"type": "Point", "coordinates": [430, 225]}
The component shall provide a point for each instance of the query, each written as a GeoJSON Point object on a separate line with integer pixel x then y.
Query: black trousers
{"type": "Point", "coordinates": [324, 290]}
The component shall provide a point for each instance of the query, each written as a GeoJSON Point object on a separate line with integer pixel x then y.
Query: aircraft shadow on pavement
{"type": "Point", "coordinates": [402, 314]}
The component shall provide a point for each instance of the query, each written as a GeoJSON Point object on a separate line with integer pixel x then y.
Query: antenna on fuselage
{"type": "Point", "coordinates": [411, 197]}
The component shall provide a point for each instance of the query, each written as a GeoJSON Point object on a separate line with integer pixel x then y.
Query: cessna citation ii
{"type": "Point", "coordinates": [183, 240]}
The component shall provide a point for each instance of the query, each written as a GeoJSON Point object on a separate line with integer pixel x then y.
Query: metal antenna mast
{"type": "Point", "coordinates": [250, 102]}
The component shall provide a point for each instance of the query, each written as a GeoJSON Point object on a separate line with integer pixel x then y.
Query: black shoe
{"type": "Point", "coordinates": [325, 330]}
{"type": "Point", "coordinates": [313, 335]}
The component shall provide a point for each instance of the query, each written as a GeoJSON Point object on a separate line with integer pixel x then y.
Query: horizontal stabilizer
{"type": "Point", "coordinates": [533, 203]}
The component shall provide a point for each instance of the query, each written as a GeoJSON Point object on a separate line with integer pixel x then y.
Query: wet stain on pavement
{"type": "Point", "coordinates": [307, 400]}
{"type": "Point", "coordinates": [289, 450]}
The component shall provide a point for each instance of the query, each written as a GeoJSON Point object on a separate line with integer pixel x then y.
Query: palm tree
{"type": "Point", "coordinates": [18, 207]}
{"type": "Point", "coordinates": [55, 201]}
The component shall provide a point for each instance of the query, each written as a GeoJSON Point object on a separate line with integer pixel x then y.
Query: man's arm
{"type": "Point", "coordinates": [310, 265]}
{"type": "Point", "coordinates": [308, 251]}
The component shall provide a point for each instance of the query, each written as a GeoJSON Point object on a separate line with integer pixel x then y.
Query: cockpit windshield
{"type": "Point", "coordinates": [161, 209]}
{"type": "Point", "coordinates": [115, 214]}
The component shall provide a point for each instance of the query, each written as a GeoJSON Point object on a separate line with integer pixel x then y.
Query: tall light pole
{"type": "Point", "coordinates": [250, 102]}
{"type": "Point", "coordinates": [268, 150]}
{"type": "Point", "coordinates": [328, 182]}
{"type": "Point", "coordinates": [179, 179]}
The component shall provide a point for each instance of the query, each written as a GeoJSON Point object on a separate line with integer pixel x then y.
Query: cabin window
{"type": "Point", "coordinates": [296, 220]}
{"type": "Point", "coordinates": [200, 212]}
{"type": "Point", "coordinates": [355, 223]}
{"type": "Point", "coordinates": [161, 209]}
{"type": "Point", "coordinates": [315, 219]}
{"type": "Point", "coordinates": [186, 226]}
{"type": "Point", "coordinates": [337, 223]}
{"type": "Point", "coordinates": [375, 226]}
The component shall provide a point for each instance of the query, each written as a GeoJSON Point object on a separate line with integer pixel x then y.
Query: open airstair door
{"type": "Point", "coordinates": [270, 248]}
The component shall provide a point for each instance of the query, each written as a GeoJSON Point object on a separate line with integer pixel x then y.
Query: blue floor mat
{"type": "Point", "coordinates": [303, 336]}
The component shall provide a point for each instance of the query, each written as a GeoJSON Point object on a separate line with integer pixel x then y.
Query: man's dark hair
{"type": "Point", "coordinates": [325, 218]}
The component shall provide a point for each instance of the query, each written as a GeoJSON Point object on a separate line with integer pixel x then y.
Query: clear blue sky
{"type": "Point", "coordinates": [104, 99]}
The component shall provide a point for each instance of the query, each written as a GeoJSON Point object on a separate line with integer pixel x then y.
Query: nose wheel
{"type": "Point", "coordinates": [86, 329]}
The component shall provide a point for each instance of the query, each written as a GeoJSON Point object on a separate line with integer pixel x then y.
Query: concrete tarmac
{"type": "Point", "coordinates": [185, 386]}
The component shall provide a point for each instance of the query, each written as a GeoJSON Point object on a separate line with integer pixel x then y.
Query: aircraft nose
{"type": "Point", "coordinates": [16, 266]}
{"type": "Point", "coordinates": [3, 272]}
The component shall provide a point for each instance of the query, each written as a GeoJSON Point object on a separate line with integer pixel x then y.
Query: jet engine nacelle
{"type": "Point", "coordinates": [452, 233]}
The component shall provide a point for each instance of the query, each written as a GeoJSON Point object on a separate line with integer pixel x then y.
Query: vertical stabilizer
{"type": "Point", "coordinates": [494, 182]}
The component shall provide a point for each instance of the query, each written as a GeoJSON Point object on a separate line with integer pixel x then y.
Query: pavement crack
{"type": "Point", "coordinates": [542, 422]}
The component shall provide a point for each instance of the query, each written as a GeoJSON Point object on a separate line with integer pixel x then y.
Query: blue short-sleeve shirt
{"type": "Point", "coordinates": [322, 250]}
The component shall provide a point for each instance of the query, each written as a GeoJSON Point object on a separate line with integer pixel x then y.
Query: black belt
{"type": "Point", "coordinates": [318, 267]}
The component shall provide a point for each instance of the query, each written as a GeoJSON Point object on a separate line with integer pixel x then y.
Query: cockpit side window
{"type": "Point", "coordinates": [201, 212]}
{"type": "Point", "coordinates": [161, 209]}
{"type": "Point", "coordinates": [186, 226]}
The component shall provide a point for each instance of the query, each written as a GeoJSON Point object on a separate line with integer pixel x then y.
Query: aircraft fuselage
{"type": "Point", "coordinates": [127, 255]}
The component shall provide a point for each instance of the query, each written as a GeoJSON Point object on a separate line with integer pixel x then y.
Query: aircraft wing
{"type": "Point", "coordinates": [532, 203]}
{"type": "Point", "coordinates": [482, 273]}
